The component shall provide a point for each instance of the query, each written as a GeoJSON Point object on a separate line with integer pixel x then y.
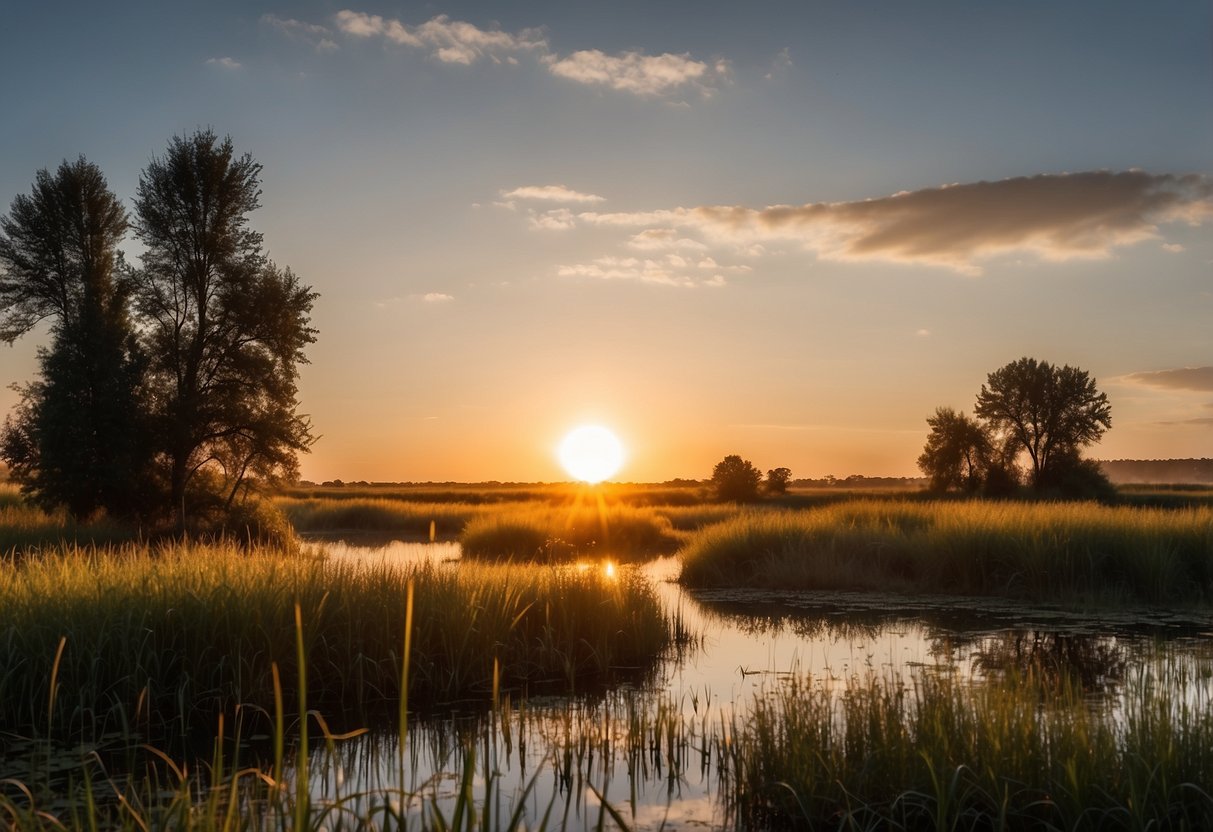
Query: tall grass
{"type": "Point", "coordinates": [384, 515]}
{"type": "Point", "coordinates": [554, 534]}
{"type": "Point", "coordinates": [941, 754]}
{"type": "Point", "coordinates": [161, 640]}
{"type": "Point", "coordinates": [1039, 551]}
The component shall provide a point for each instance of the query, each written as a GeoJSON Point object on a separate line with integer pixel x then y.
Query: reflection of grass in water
{"type": "Point", "coordinates": [940, 752]}
{"type": "Point", "coordinates": [1035, 550]}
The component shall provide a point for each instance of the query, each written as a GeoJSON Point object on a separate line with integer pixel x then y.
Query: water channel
{"type": "Point", "coordinates": [647, 751]}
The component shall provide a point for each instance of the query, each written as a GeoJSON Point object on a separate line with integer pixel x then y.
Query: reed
{"type": "Point", "coordinates": [160, 639]}
{"type": "Point", "coordinates": [408, 518]}
{"type": "Point", "coordinates": [1079, 552]}
{"type": "Point", "coordinates": [940, 753]}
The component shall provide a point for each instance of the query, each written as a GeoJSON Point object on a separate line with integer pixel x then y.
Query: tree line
{"type": "Point", "coordinates": [168, 391]}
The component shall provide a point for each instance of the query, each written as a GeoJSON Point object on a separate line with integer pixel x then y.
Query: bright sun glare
{"type": "Point", "coordinates": [591, 453]}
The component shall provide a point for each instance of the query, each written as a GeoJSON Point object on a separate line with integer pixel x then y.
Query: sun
{"type": "Point", "coordinates": [591, 453]}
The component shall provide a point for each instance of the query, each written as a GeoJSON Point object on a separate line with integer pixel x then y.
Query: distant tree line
{"type": "Point", "coordinates": [168, 391]}
{"type": "Point", "coordinates": [1031, 421]}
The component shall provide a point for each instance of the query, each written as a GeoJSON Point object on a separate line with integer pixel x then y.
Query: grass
{"type": "Point", "coordinates": [94, 641]}
{"type": "Point", "coordinates": [561, 534]}
{"type": "Point", "coordinates": [942, 754]}
{"type": "Point", "coordinates": [387, 515]}
{"type": "Point", "coordinates": [1079, 552]}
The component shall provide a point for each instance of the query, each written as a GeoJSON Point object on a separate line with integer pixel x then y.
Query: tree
{"type": "Point", "coordinates": [77, 438]}
{"type": "Point", "coordinates": [777, 480]}
{"type": "Point", "coordinates": [1049, 412]}
{"type": "Point", "coordinates": [958, 453]}
{"type": "Point", "coordinates": [225, 327]}
{"type": "Point", "coordinates": [736, 479]}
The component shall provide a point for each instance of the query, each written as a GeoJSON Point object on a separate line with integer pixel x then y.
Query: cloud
{"type": "Point", "coordinates": [663, 271]}
{"type": "Point", "coordinates": [550, 193]}
{"type": "Point", "coordinates": [560, 219]}
{"type": "Point", "coordinates": [318, 37]}
{"type": "Point", "coordinates": [1056, 217]}
{"type": "Point", "coordinates": [660, 239]}
{"type": "Point", "coordinates": [1174, 248]}
{"type": "Point", "coordinates": [449, 41]}
{"type": "Point", "coordinates": [923, 333]}
{"type": "Point", "coordinates": [1199, 379]}
{"type": "Point", "coordinates": [460, 42]}
{"type": "Point", "coordinates": [437, 297]}
{"type": "Point", "coordinates": [637, 73]}
{"type": "Point", "coordinates": [224, 63]}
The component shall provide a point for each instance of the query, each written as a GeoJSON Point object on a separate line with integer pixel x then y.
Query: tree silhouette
{"type": "Point", "coordinates": [225, 327]}
{"type": "Point", "coordinates": [1049, 412]}
{"type": "Point", "coordinates": [78, 436]}
{"type": "Point", "coordinates": [777, 480]}
{"type": "Point", "coordinates": [736, 479]}
{"type": "Point", "coordinates": [958, 453]}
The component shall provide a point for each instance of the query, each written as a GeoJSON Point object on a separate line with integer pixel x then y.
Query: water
{"type": "Point", "coordinates": [648, 751]}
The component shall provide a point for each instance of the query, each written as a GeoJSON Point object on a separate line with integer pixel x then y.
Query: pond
{"type": "Point", "coordinates": [653, 753]}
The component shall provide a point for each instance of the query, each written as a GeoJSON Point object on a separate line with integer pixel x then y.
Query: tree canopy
{"type": "Point", "coordinates": [736, 479]}
{"type": "Point", "coordinates": [169, 389]}
{"type": "Point", "coordinates": [78, 437]}
{"type": "Point", "coordinates": [1049, 412]}
{"type": "Point", "coordinates": [1027, 408]}
{"type": "Point", "coordinates": [225, 327]}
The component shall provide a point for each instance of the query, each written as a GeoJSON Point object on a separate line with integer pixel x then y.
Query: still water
{"type": "Point", "coordinates": [649, 752]}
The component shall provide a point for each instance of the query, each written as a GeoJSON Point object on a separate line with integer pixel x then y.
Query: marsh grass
{"type": "Point", "coordinates": [937, 753]}
{"type": "Point", "coordinates": [406, 518]}
{"type": "Point", "coordinates": [1079, 552]}
{"type": "Point", "coordinates": [160, 640]}
{"type": "Point", "coordinates": [25, 528]}
{"type": "Point", "coordinates": [566, 533]}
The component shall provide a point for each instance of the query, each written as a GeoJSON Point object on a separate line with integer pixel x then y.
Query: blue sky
{"type": "Point", "coordinates": [675, 219]}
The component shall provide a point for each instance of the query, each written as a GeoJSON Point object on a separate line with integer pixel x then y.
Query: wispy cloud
{"type": "Point", "coordinates": [550, 193]}
{"type": "Point", "coordinates": [224, 63]}
{"type": "Point", "coordinates": [560, 219]}
{"type": "Point", "coordinates": [663, 239]}
{"type": "Point", "coordinates": [637, 73]}
{"type": "Point", "coordinates": [437, 297]}
{"type": "Point", "coordinates": [449, 41]}
{"type": "Point", "coordinates": [317, 36]}
{"type": "Point", "coordinates": [1056, 217]}
{"type": "Point", "coordinates": [671, 270]}
{"type": "Point", "coordinates": [1199, 379]}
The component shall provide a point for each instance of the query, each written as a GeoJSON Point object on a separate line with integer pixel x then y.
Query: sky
{"type": "Point", "coordinates": [788, 231]}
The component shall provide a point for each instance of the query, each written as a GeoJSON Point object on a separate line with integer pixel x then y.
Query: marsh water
{"type": "Point", "coordinates": [648, 749]}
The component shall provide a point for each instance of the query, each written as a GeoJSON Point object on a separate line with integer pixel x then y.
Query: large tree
{"type": "Point", "coordinates": [958, 453]}
{"type": "Point", "coordinates": [736, 479]}
{"type": "Point", "coordinates": [1048, 412]}
{"type": "Point", "coordinates": [77, 437]}
{"type": "Point", "coordinates": [225, 327]}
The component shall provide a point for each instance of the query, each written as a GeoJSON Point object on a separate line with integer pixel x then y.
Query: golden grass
{"type": "Point", "coordinates": [1042, 551]}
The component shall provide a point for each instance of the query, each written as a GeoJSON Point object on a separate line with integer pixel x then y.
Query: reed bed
{"type": "Point", "coordinates": [25, 528]}
{"type": "Point", "coordinates": [385, 515]}
{"type": "Point", "coordinates": [942, 754]}
{"type": "Point", "coordinates": [1079, 552]}
{"type": "Point", "coordinates": [161, 639]}
{"type": "Point", "coordinates": [562, 534]}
